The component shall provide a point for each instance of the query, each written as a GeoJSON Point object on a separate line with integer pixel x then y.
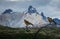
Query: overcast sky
{"type": "Point", "coordinates": [50, 8]}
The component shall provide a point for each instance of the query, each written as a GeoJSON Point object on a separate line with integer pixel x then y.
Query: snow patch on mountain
{"type": "Point", "coordinates": [10, 19]}
{"type": "Point", "coordinates": [15, 19]}
{"type": "Point", "coordinates": [34, 18]}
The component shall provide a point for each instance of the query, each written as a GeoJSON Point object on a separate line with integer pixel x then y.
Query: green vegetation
{"type": "Point", "coordinates": [21, 33]}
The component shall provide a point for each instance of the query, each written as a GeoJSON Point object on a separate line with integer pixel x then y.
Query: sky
{"type": "Point", "coordinates": [51, 8]}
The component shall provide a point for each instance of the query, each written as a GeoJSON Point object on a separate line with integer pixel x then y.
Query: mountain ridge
{"type": "Point", "coordinates": [15, 19]}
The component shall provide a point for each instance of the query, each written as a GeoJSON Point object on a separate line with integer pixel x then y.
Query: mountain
{"type": "Point", "coordinates": [57, 21]}
{"type": "Point", "coordinates": [31, 10]}
{"type": "Point", "coordinates": [7, 11]}
{"type": "Point", "coordinates": [16, 19]}
{"type": "Point", "coordinates": [44, 17]}
{"type": "Point", "coordinates": [33, 17]}
{"type": "Point", "coordinates": [10, 19]}
{"type": "Point", "coordinates": [42, 14]}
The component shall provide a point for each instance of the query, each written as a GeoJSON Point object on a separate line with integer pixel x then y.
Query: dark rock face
{"type": "Point", "coordinates": [42, 14]}
{"type": "Point", "coordinates": [57, 21]}
{"type": "Point", "coordinates": [31, 10]}
{"type": "Point", "coordinates": [7, 11]}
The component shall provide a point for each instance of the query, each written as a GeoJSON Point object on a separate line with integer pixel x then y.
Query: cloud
{"type": "Point", "coordinates": [21, 4]}
{"type": "Point", "coordinates": [56, 4]}
{"type": "Point", "coordinates": [12, 0]}
{"type": "Point", "coordinates": [16, 0]}
{"type": "Point", "coordinates": [42, 2]}
{"type": "Point", "coordinates": [50, 8]}
{"type": "Point", "coordinates": [49, 11]}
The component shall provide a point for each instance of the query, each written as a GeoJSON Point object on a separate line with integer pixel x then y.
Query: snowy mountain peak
{"type": "Point", "coordinates": [17, 19]}
{"type": "Point", "coordinates": [57, 21]}
{"type": "Point", "coordinates": [42, 14]}
{"type": "Point", "coordinates": [31, 10]}
{"type": "Point", "coordinates": [7, 11]}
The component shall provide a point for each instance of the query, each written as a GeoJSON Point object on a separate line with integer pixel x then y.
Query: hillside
{"type": "Point", "coordinates": [21, 33]}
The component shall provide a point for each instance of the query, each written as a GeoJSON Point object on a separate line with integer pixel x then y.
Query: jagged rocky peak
{"type": "Point", "coordinates": [42, 14]}
{"type": "Point", "coordinates": [57, 21]}
{"type": "Point", "coordinates": [7, 11]}
{"type": "Point", "coordinates": [31, 9]}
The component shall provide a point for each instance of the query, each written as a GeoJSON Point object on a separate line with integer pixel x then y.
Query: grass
{"type": "Point", "coordinates": [20, 33]}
